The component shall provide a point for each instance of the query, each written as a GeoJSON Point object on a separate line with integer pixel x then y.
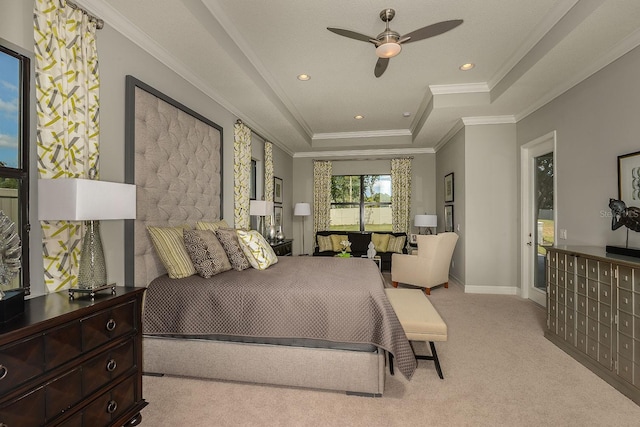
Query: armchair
{"type": "Point", "coordinates": [430, 267]}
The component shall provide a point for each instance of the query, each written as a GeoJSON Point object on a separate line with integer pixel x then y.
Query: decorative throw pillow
{"type": "Point", "coordinates": [169, 244]}
{"type": "Point", "coordinates": [229, 240]}
{"type": "Point", "coordinates": [259, 253]}
{"type": "Point", "coordinates": [335, 242]}
{"type": "Point", "coordinates": [206, 252]}
{"type": "Point", "coordinates": [324, 244]}
{"type": "Point", "coordinates": [381, 241]}
{"type": "Point", "coordinates": [213, 226]}
{"type": "Point", "coordinates": [396, 243]}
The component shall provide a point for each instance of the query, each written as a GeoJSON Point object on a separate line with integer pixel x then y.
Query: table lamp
{"type": "Point", "coordinates": [427, 221]}
{"type": "Point", "coordinates": [261, 208]}
{"type": "Point", "coordinates": [75, 199]}
{"type": "Point", "coordinates": [302, 209]}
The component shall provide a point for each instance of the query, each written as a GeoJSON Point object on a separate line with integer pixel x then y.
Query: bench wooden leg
{"type": "Point", "coordinates": [427, 291]}
{"type": "Point", "coordinates": [394, 284]}
{"type": "Point", "coordinates": [434, 357]}
{"type": "Point", "coordinates": [446, 285]}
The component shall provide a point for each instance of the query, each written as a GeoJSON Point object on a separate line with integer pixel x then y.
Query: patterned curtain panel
{"type": "Point", "coordinates": [401, 194]}
{"type": "Point", "coordinates": [67, 137]}
{"type": "Point", "coordinates": [322, 171]}
{"type": "Point", "coordinates": [241, 175]}
{"type": "Point", "coordinates": [268, 177]}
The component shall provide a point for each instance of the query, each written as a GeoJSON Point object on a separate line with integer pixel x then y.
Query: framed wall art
{"type": "Point", "coordinates": [448, 218]}
{"type": "Point", "coordinates": [448, 188]}
{"type": "Point", "coordinates": [277, 189]}
{"type": "Point", "coordinates": [629, 179]}
{"type": "Point", "coordinates": [277, 216]}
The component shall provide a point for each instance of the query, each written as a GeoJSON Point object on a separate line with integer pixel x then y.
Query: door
{"type": "Point", "coordinates": [538, 214]}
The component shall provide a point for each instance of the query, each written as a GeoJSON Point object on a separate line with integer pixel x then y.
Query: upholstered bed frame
{"type": "Point", "coordinates": [174, 156]}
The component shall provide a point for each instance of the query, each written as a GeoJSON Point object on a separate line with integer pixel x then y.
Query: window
{"type": "Point", "coordinates": [361, 203]}
{"type": "Point", "coordinates": [252, 183]}
{"type": "Point", "coordinates": [14, 149]}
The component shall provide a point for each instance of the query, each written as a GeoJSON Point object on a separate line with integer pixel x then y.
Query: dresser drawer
{"type": "Point", "coordinates": [582, 266]}
{"type": "Point", "coordinates": [107, 324]}
{"type": "Point", "coordinates": [105, 367]}
{"type": "Point", "coordinates": [625, 346]}
{"type": "Point", "coordinates": [20, 362]}
{"type": "Point", "coordinates": [582, 285]}
{"type": "Point", "coordinates": [592, 269]}
{"type": "Point", "coordinates": [604, 356]}
{"type": "Point", "coordinates": [592, 289]}
{"type": "Point", "coordinates": [625, 323]}
{"type": "Point", "coordinates": [625, 369]}
{"type": "Point", "coordinates": [62, 344]}
{"type": "Point", "coordinates": [604, 272]}
{"type": "Point", "coordinates": [111, 404]}
{"type": "Point", "coordinates": [582, 304]}
{"type": "Point", "coordinates": [26, 411]}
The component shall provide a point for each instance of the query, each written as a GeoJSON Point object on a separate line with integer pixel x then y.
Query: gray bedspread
{"type": "Point", "coordinates": [324, 298]}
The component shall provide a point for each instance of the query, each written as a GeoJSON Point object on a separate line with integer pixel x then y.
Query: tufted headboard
{"type": "Point", "coordinates": [174, 156]}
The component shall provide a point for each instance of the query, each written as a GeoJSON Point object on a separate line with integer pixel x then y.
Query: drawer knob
{"type": "Point", "coordinates": [111, 325]}
{"type": "Point", "coordinates": [111, 365]}
{"type": "Point", "coordinates": [3, 373]}
{"type": "Point", "coordinates": [112, 406]}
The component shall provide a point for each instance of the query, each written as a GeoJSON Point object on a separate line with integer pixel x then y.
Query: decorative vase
{"type": "Point", "coordinates": [271, 235]}
{"type": "Point", "coordinates": [280, 234]}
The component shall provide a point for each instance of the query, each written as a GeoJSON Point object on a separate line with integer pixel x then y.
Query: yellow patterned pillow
{"type": "Point", "coordinates": [324, 244]}
{"type": "Point", "coordinates": [396, 244]}
{"type": "Point", "coordinates": [259, 253]}
{"type": "Point", "coordinates": [381, 241]}
{"type": "Point", "coordinates": [213, 226]}
{"type": "Point", "coordinates": [335, 242]}
{"type": "Point", "coordinates": [169, 244]}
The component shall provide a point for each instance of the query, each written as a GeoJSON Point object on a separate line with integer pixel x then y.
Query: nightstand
{"type": "Point", "coordinates": [282, 248]}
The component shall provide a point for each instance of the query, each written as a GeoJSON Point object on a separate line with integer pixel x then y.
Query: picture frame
{"type": "Point", "coordinates": [629, 179]}
{"type": "Point", "coordinates": [277, 216]}
{"type": "Point", "coordinates": [413, 239]}
{"type": "Point", "coordinates": [448, 188]}
{"type": "Point", "coordinates": [448, 218]}
{"type": "Point", "coordinates": [277, 189]}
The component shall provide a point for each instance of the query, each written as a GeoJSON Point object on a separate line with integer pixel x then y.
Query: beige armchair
{"type": "Point", "coordinates": [430, 267]}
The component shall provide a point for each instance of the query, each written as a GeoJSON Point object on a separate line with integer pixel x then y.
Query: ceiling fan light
{"type": "Point", "coordinates": [388, 50]}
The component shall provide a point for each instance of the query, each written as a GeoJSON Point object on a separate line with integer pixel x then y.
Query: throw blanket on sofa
{"type": "Point", "coordinates": [330, 299]}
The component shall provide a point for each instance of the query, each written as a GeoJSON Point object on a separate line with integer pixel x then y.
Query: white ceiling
{"type": "Point", "coordinates": [246, 55]}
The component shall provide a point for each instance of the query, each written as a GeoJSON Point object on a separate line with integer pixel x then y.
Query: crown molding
{"type": "Point", "coordinates": [488, 120]}
{"type": "Point", "coordinates": [457, 127]}
{"type": "Point", "coordinates": [365, 153]}
{"type": "Point", "coordinates": [459, 88]}
{"type": "Point", "coordinates": [363, 134]}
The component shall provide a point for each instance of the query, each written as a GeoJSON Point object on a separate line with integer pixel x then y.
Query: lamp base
{"type": "Point", "coordinates": [11, 305]}
{"type": "Point", "coordinates": [93, 270]}
{"type": "Point", "coordinates": [92, 291]}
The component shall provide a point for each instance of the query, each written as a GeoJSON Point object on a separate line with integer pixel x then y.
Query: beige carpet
{"type": "Point", "coordinates": [499, 371]}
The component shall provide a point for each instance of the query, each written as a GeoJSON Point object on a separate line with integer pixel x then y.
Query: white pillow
{"type": "Point", "coordinates": [259, 253]}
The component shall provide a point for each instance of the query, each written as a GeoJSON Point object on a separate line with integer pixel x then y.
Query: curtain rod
{"type": "Point", "coordinates": [99, 22]}
{"type": "Point", "coordinates": [239, 121]}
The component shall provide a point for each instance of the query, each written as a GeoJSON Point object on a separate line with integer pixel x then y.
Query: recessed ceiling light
{"type": "Point", "coordinates": [467, 67]}
{"type": "Point", "coordinates": [304, 77]}
{"type": "Point", "coordinates": [358, 117]}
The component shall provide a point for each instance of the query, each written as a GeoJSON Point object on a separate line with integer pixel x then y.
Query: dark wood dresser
{"type": "Point", "coordinates": [282, 248]}
{"type": "Point", "coordinates": [73, 362]}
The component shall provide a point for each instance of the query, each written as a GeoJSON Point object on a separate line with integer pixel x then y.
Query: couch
{"type": "Point", "coordinates": [360, 244]}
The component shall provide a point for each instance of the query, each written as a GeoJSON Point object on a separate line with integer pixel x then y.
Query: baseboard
{"type": "Point", "coordinates": [496, 290]}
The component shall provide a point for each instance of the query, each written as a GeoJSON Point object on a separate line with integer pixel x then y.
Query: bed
{"type": "Point", "coordinates": [307, 322]}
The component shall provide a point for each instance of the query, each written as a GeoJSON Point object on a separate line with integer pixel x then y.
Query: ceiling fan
{"type": "Point", "coordinates": [388, 43]}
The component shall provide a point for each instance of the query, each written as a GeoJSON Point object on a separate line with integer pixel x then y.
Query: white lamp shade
{"type": "Point", "coordinates": [260, 208]}
{"type": "Point", "coordinates": [74, 199]}
{"type": "Point", "coordinates": [426, 221]}
{"type": "Point", "coordinates": [302, 209]}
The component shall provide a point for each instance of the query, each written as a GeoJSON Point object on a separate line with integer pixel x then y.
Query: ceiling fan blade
{"type": "Point", "coordinates": [432, 30]}
{"type": "Point", "coordinates": [381, 66]}
{"type": "Point", "coordinates": [351, 34]}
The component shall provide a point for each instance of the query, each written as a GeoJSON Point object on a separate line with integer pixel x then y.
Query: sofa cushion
{"type": "Point", "coordinates": [381, 241]}
{"type": "Point", "coordinates": [396, 244]}
{"type": "Point", "coordinates": [324, 244]}
{"type": "Point", "coordinates": [335, 241]}
{"type": "Point", "coordinates": [359, 242]}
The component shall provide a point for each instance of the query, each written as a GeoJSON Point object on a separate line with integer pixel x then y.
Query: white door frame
{"type": "Point", "coordinates": [528, 151]}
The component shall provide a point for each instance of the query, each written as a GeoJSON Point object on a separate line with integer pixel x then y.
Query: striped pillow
{"type": "Point", "coordinates": [213, 226]}
{"type": "Point", "coordinates": [169, 244]}
{"type": "Point", "coordinates": [396, 244]}
{"type": "Point", "coordinates": [324, 244]}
